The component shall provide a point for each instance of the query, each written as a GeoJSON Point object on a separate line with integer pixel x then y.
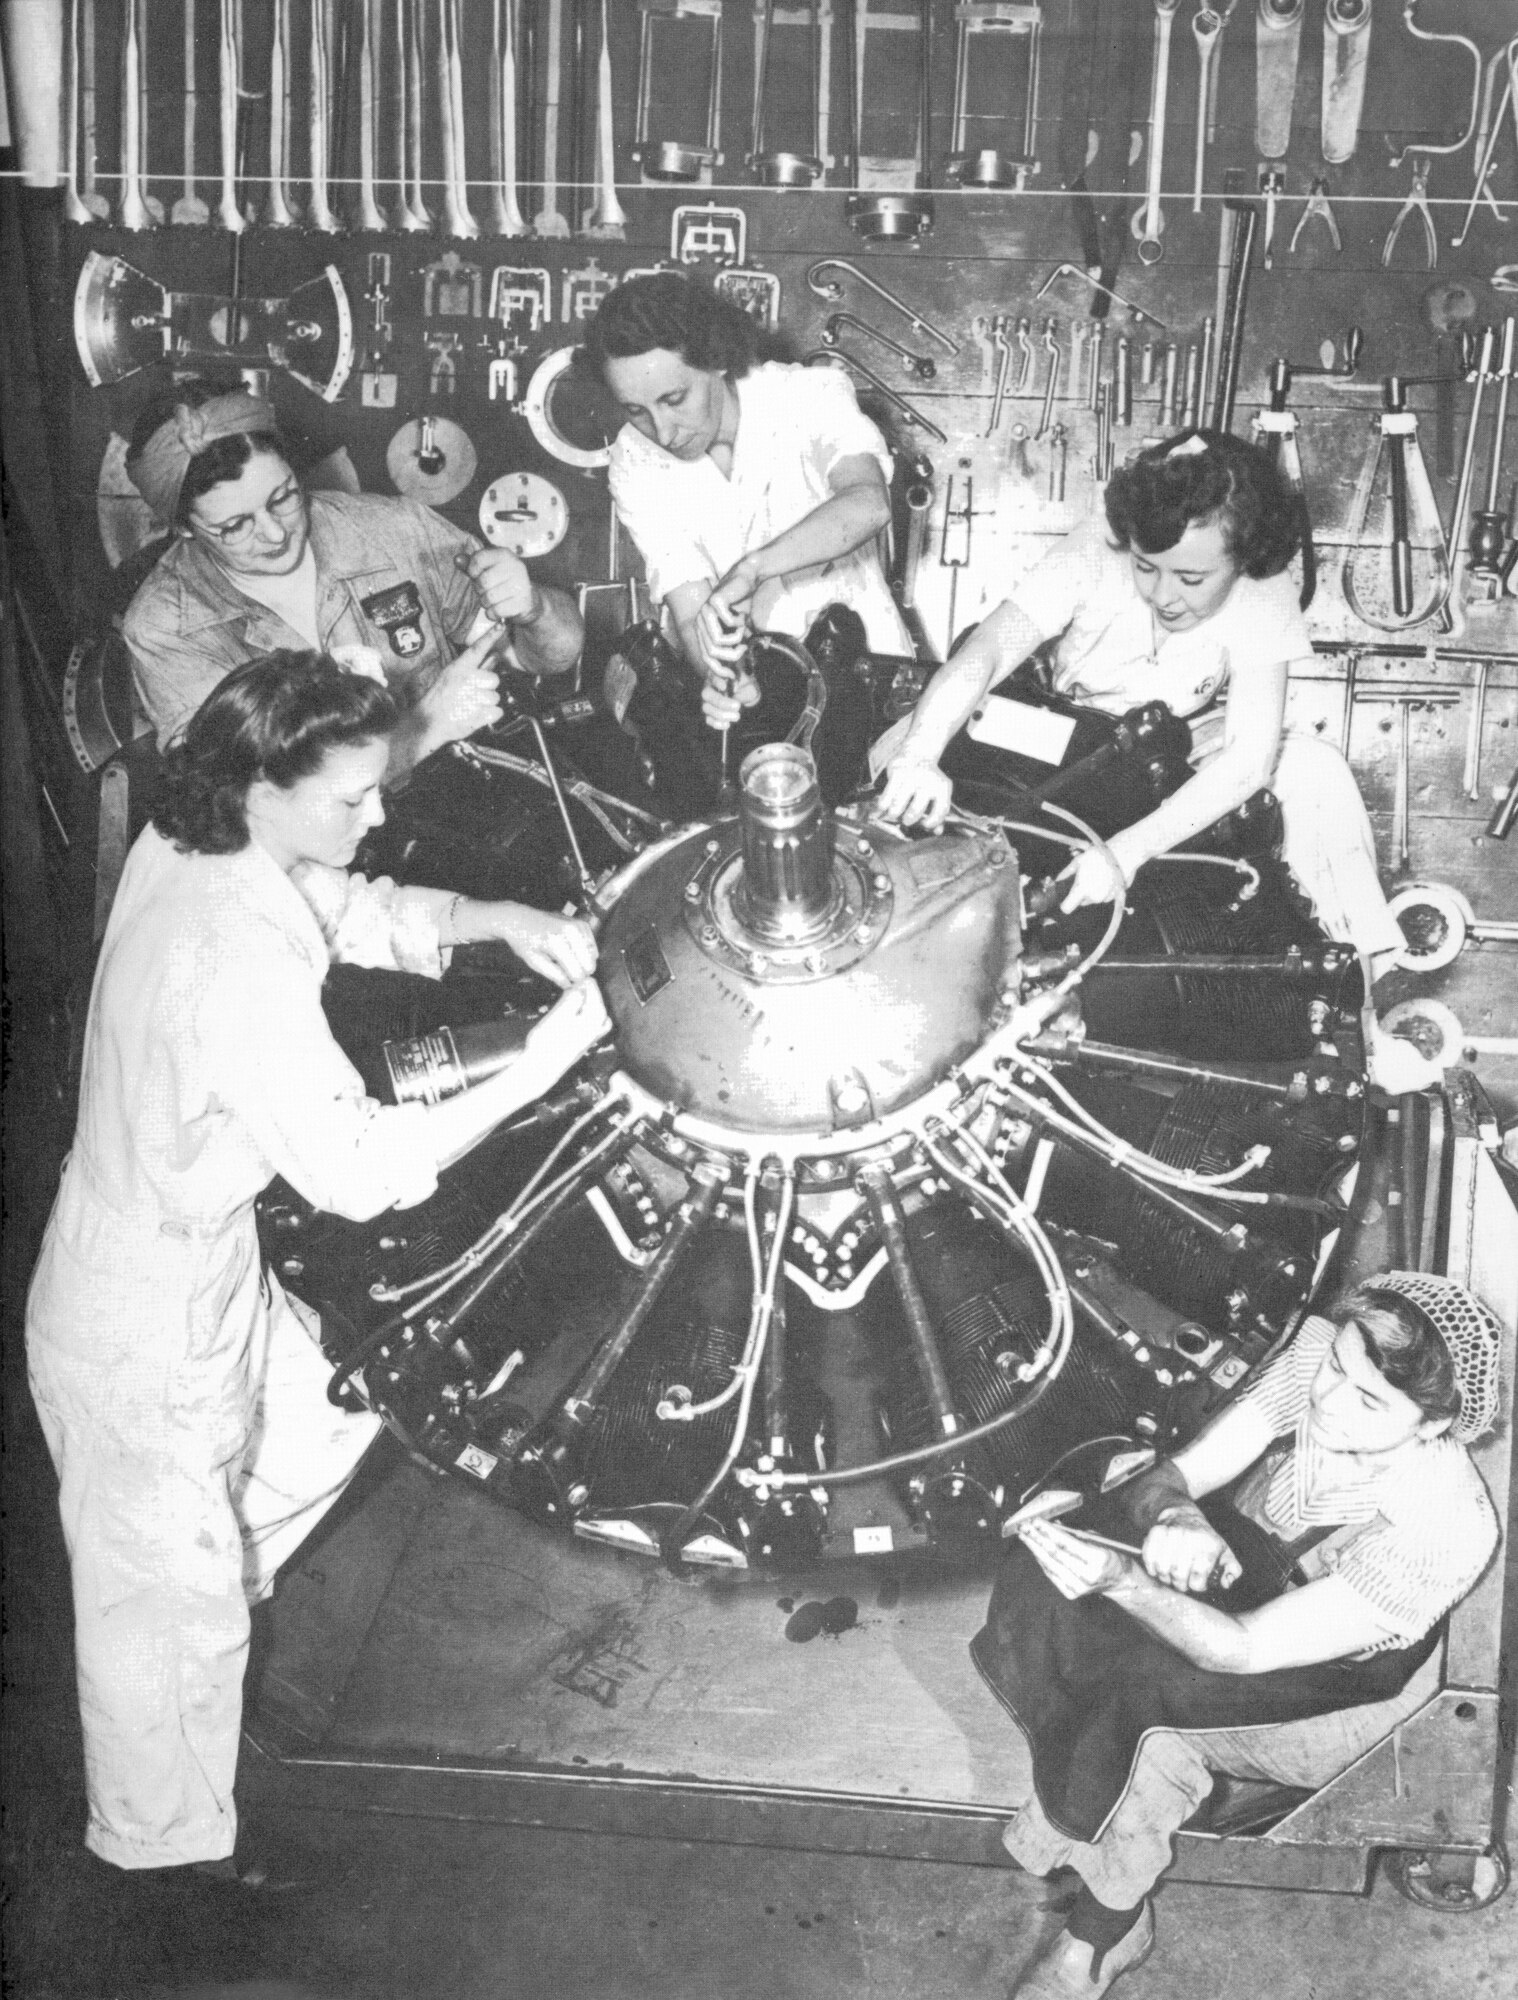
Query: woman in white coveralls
{"type": "Point", "coordinates": [756, 491]}
{"type": "Point", "coordinates": [182, 1395]}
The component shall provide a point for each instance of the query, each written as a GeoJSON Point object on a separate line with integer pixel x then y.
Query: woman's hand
{"type": "Point", "coordinates": [722, 623]}
{"type": "Point", "coordinates": [1097, 876]}
{"type": "Point", "coordinates": [1184, 1550]}
{"type": "Point", "coordinates": [916, 793]}
{"type": "Point", "coordinates": [562, 949]}
{"type": "Point", "coordinates": [466, 696]}
{"type": "Point", "coordinates": [572, 1025]}
{"type": "Point", "coordinates": [506, 591]}
{"type": "Point", "coordinates": [1076, 1567]}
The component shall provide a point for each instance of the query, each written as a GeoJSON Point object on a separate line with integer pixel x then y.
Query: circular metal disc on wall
{"type": "Point", "coordinates": [524, 513]}
{"type": "Point", "coordinates": [547, 412]}
{"type": "Point", "coordinates": [125, 518]}
{"type": "Point", "coordinates": [431, 459]}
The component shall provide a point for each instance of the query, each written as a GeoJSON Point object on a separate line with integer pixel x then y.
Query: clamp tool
{"type": "Point", "coordinates": [1417, 201]}
{"type": "Point", "coordinates": [1317, 205]}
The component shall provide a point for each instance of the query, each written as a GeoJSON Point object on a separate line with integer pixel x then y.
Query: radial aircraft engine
{"type": "Point", "coordinates": [853, 1232]}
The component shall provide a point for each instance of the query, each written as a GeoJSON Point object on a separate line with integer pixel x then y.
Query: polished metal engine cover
{"type": "Point", "coordinates": [911, 949]}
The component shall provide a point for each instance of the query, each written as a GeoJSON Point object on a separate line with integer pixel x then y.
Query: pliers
{"type": "Point", "coordinates": [1317, 204]}
{"type": "Point", "coordinates": [1418, 200]}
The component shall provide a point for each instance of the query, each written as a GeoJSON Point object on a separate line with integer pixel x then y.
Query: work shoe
{"type": "Point", "coordinates": [1062, 1970]}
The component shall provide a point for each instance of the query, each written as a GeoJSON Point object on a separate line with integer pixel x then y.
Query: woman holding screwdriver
{"type": "Point", "coordinates": [756, 491]}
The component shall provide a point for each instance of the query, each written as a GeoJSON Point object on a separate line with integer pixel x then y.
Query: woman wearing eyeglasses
{"type": "Point", "coordinates": [384, 586]}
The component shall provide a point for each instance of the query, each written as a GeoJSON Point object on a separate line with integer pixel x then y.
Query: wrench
{"type": "Point", "coordinates": [1003, 369]}
{"type": "Point", "coordinates": [229, 61]}
{"type": "Point", "coordinates": [319, 213]}
{"type": "Point", "coordinates": [1207, 31]}
{"type": "Point", "coordinates": [1025, 348]}
{"type": "Point", "coordinates": [1149, 221]}
{"type": "Point", "coordinates": [277, 211]}
{"type": "Point", "coordinates": [1051, 381]}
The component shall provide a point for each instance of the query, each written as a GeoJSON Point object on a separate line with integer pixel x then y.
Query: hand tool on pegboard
{"type": "Point", "coordinates": [75, 208]}
{"type": "Point", "coordinates": [1149, 221]}
{"type": "Point", "coordinates": [412, 213]}
{"type": "Point", "coordinates": [1489, 523]}
{"type": "Point", "coordinates": [319, 212]}
{"type": "Point", "coordinates": [279, 212]}
{"type": "Point", "coordinates": [1098, 115]}
{"type": "Point", "coordinates": [1412, 515]}
{"type": "Point", "coordinates": [1504, 63]}
{"type": "Point", "coordinates": [605, 218]}
{"type": "Point", "coordinates": [1452, 612]}
{"type": "Point", "coordinates": [1346, 54]}
{"type": "Point", "coordinates": [1317, 207]}
{"type": "Point", "coordinates": [995, 22]}
{"type": "Point", "coordinates": [458, 219]}
{"type": "Point", "coordinates": [548, 221]}
{"type": "Point", "coordinates": [84, 201]}
{"type": "Point", "coordinates": [370, 215]}
{"type": "Point", "coordinates": [1424, 146]}
{"type": "Point", "coordinates": [775, 166]}
{"type": "Point", "coordinates": [189, 210]}
{"type": "Point", "coordinates": [1277, 46]}
{"type": "Point", "coordinates": [505, 211]}
{"type": "Point", "coordinates": [1207, 25]}
{"type": "Point", "coordinates": [1276, 429]}
{"type": "Point", "coordinates": [134, 212]}
{"type": "Point", "coordinates": [1242, 220]}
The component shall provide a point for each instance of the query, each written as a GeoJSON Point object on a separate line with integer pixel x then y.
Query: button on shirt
{"type": "Point", "coordinates": [391, 602]}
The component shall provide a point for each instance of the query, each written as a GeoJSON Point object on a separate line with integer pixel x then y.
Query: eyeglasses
{"type": "Point", "coordinates": [282, 505]}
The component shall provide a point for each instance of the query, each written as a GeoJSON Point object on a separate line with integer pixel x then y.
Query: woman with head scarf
{"type": "Point", "coordinates": [384, 586]}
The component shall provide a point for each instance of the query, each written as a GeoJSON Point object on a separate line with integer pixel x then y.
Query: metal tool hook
{"type": "Point", "coordinates": [920, 366]}
{"type": "Point", "coordinates": [1409, 9]}
{"type": "Point", "coordinates": [832, 291]}
{"type": "Point", "coordinates": [1075, 271]}
{"type": "Point", "coordinates": [909, 410]}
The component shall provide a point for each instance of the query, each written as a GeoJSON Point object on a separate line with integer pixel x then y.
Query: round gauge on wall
{"type": "Point", "coordinates": [525, 513]}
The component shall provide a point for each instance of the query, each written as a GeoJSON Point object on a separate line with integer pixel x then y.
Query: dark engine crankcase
{"type": "Point", "coordinates": [908, 965]}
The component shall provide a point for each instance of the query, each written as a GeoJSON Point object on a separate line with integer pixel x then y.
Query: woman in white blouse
{"type": "Point", "coordinates": [180, 1392]}
{"type": "Point", "coordinates": [1182, 596]}
{"type": "Point", "coordinates": [756, 491]}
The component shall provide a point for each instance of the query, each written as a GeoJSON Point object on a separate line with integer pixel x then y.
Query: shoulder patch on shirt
{"type": "Point", "coordinates": [398, 613]}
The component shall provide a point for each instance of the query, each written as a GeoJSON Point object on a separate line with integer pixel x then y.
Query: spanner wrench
{"type": "Point", "coordinates": [1149, 221]}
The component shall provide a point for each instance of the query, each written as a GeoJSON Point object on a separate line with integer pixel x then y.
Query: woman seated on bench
{"type": "Point", "coordinates": [1133, 1692]}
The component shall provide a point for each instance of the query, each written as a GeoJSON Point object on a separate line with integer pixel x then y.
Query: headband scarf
{"type": "Point", "coordinates": [158, 470]}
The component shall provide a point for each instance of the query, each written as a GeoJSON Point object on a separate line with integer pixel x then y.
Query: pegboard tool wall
{"type": "Point", "coordinates": [988, 252]}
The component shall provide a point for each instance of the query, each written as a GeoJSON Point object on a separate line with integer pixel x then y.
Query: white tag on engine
{"type": "Point", "coordinates": [1017, 725]}
{"type": "Point", "coordinates": [872, 1541]}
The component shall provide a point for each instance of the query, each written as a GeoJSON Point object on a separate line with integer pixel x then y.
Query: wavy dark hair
{"type": "Point", "coordinates": [678, 314]}
{"type": "Point", "coordinates": [1406, 1347]}
{"type": "Point", "coordinates": [222, 459]}
{"type": "Point", "coordinates": [275, 718]}
{"type": "Point", "coordinates": [1154, 499]}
